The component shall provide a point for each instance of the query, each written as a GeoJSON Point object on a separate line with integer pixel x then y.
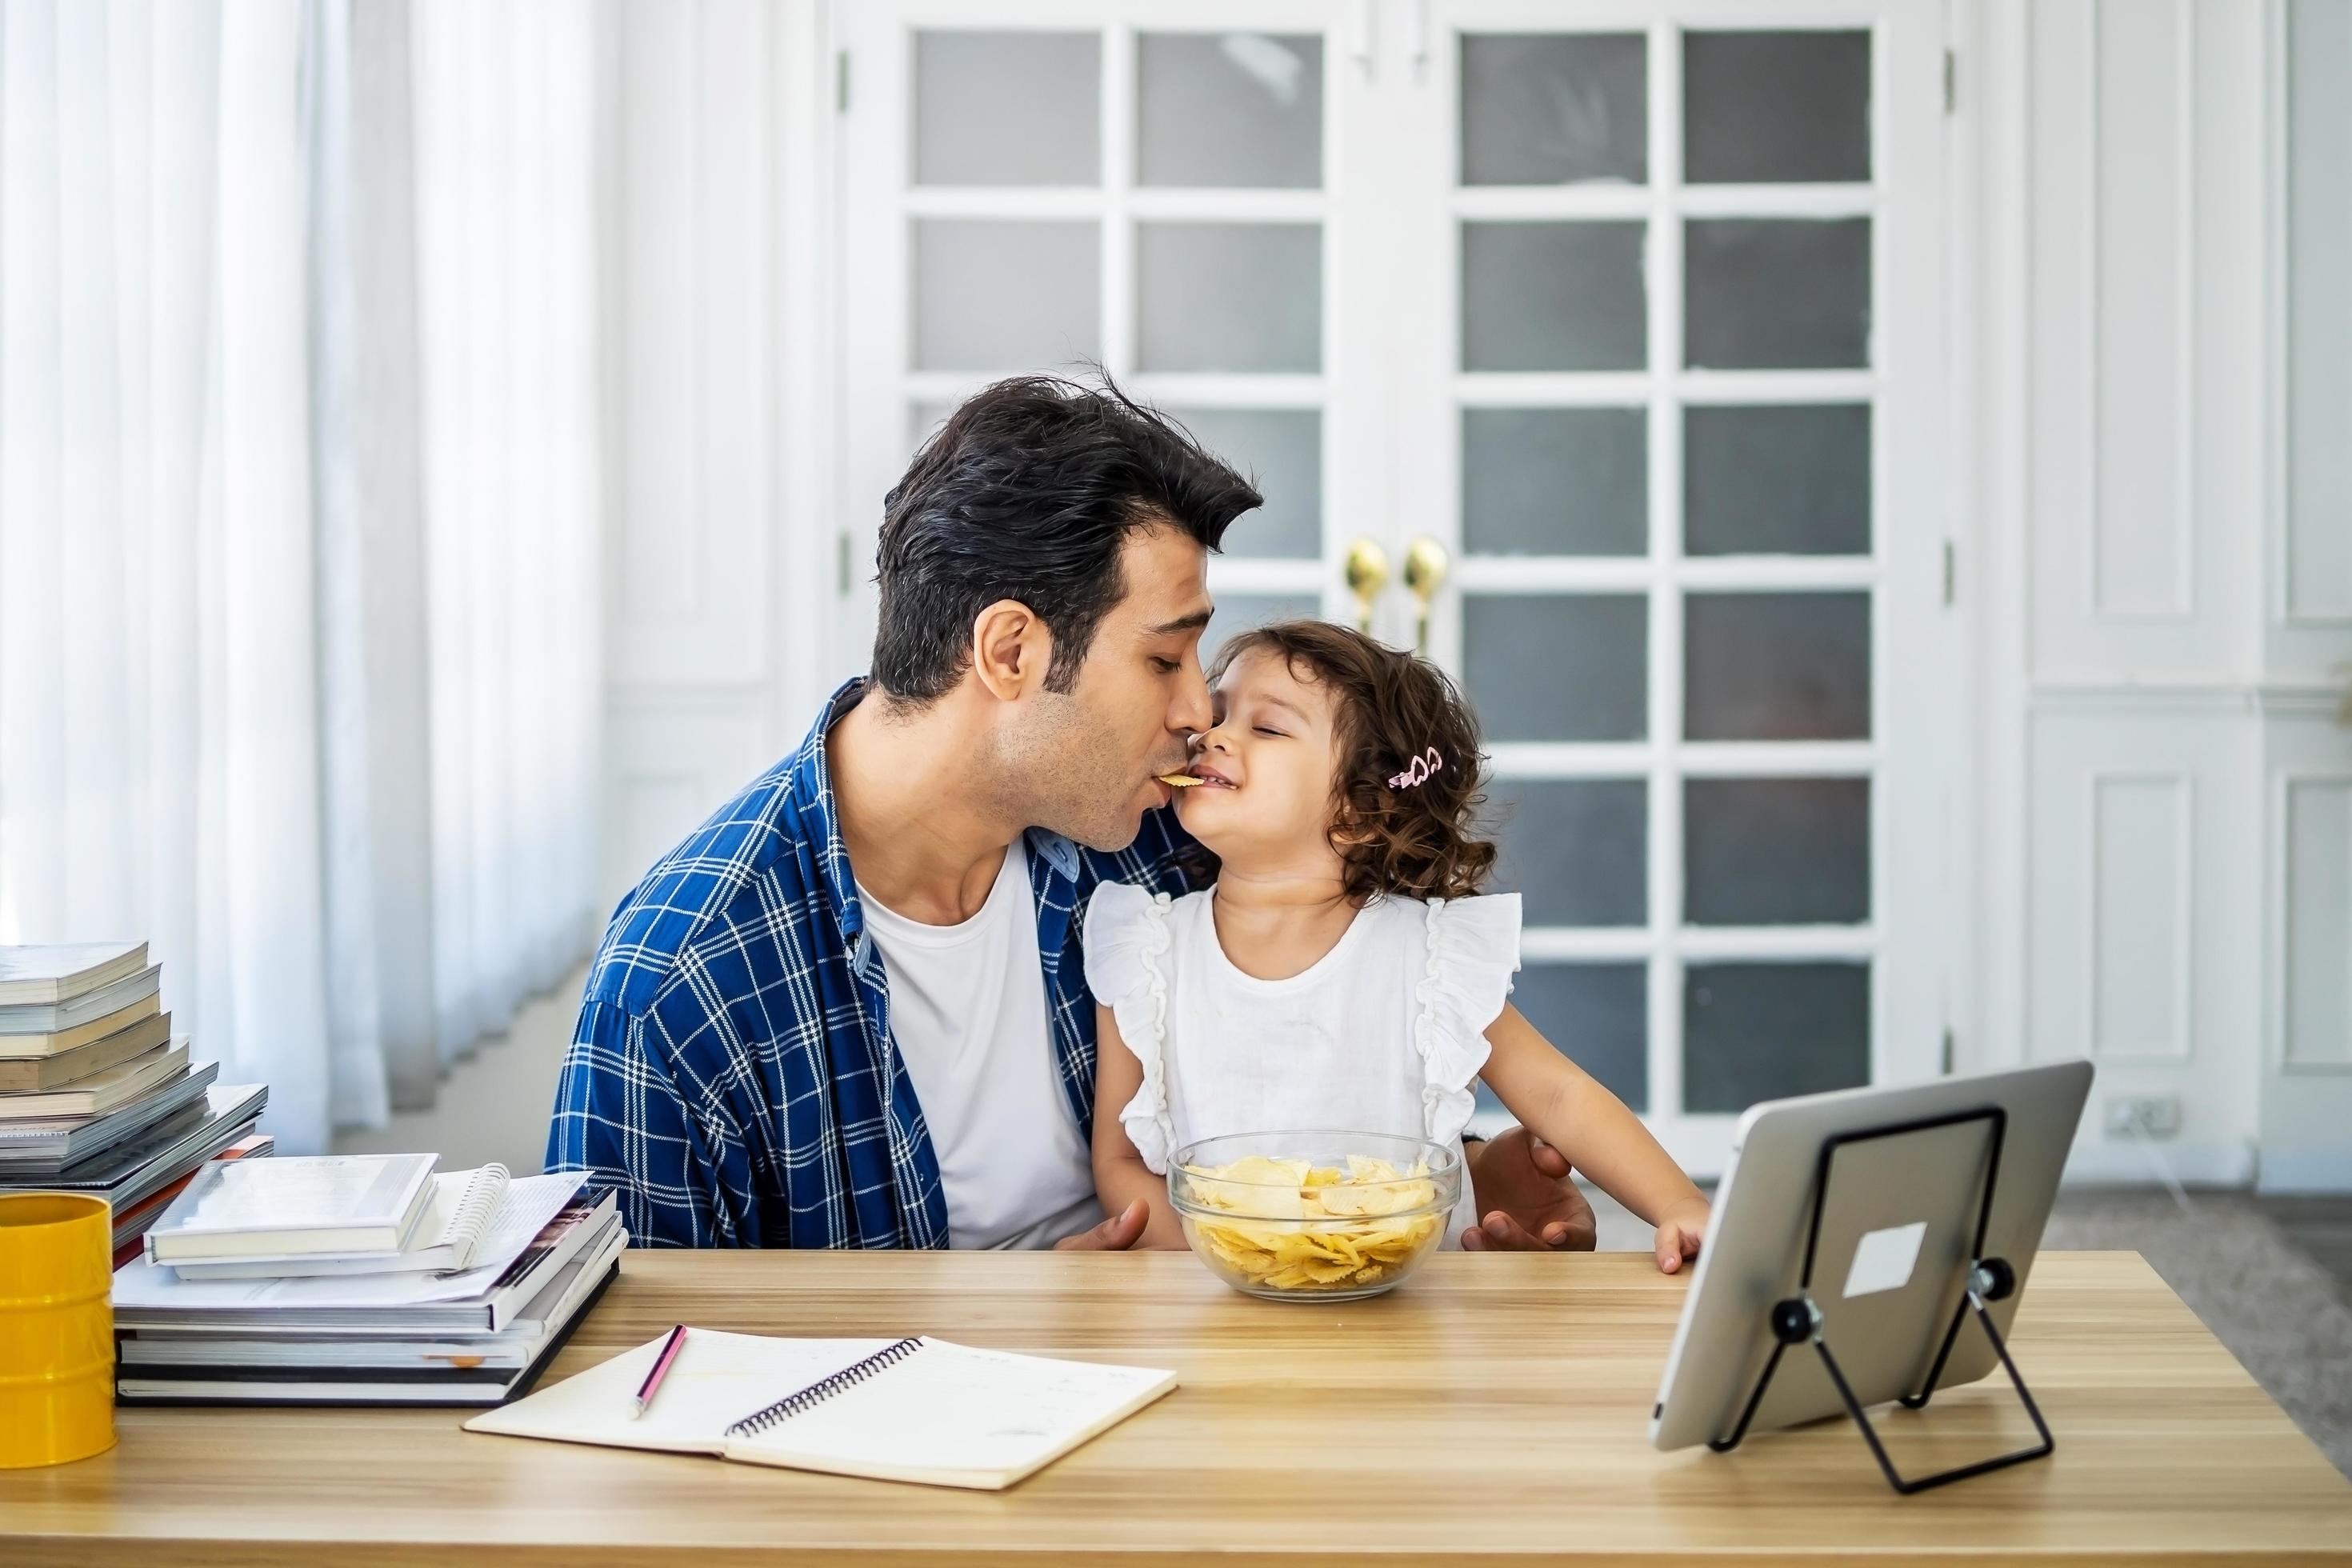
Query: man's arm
{"type": "Point", "coordinates": [620, 1118]}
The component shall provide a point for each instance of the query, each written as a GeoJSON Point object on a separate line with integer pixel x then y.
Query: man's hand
{"type": "Point", "coordinates": [1116, 1234]}
{"type": "Point", "coordinates": [1521, 1187]}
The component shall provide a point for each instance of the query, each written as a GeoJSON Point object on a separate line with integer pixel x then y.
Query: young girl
{"type": "Point", "coordinates": [1341, 972]}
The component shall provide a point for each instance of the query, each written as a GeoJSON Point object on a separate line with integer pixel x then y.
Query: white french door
{"type": "Point", "coordinates": [1594, 346]}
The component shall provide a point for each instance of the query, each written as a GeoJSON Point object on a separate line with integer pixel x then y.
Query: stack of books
{"type": "Point", "coordinates": [96, 1095]}
{"type": "Point", "coordinates": [359, 1280]}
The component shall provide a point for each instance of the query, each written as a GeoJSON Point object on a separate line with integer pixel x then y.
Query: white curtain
{"type": "Point", "coordinates": [507, 224]}
{"type": "Point", "coordinates": [299, 659]}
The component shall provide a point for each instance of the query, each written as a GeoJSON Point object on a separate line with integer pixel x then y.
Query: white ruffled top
{"type": "Point", "coordinates": [1386, 1032]}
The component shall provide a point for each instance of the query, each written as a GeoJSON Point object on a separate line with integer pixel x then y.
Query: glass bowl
{"type": "Point", "coordinates": [1319, 1216]}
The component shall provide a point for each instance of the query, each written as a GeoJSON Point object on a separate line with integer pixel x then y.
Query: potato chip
{"type": "Point", "coordinates": [1262, 1169]}
{"type": "Point", "coordinates": [1353, 1200]}
{"type": "Point", "coordinates": [1288, 1225]}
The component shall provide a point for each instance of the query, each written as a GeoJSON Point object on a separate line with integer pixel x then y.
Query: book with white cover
{"type": "Point", "coordinates": [462, 1208]}
{"type": "Point", "coordinates": [49, 1018]}
{"type": "Point", "coordinates": [43, 1147]}
{"type": "Point", "coordinates": [32, 1075]}
{"type": "Point", "coordinates": [140, 1165]}
{"type": "Point", "coordinates": [101, 1091]}
{"type": "Point", "coordinates": [511, 1349]}
{"type": "Point", "coordinates": [918, 1410]}
{"type": "Point", "coordinates": [541, 1236]}
{"type": "Point", "coordinates": [318, 1374]}
{"type": "Point", "coordinates": [321, 1204]}
{"type": "Point", "coordinates": [51, 1044]}
{"type": "Point", "coordinates": [47, 972]}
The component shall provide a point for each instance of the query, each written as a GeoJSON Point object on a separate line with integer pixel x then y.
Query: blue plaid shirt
{"type": "Point", "coordinates": [733, 1073]}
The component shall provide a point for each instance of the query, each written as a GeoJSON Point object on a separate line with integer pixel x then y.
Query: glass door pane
{"type": "Point", "coordinates": [1007, 109]}
{"type": "Point", "coordinates": [1555, 109]}
{"type": "Point", "coordinates": [1235, 111]}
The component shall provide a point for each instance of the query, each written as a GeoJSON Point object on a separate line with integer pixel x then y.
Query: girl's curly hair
{"type": "Point", "coordinates": [1390, 707]}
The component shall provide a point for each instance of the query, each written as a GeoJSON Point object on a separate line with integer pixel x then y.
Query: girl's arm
{"type": "Point", "coordinates": [1121, 1175]}
{"type": "Point", "coordinates": [1569, 1110]}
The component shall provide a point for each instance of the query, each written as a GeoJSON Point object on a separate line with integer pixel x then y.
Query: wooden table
{"type": "Point", "coordinates": [1494, 1406]}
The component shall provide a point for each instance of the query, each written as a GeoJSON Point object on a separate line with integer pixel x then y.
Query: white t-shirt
{"type": "Point", "coordinates": [968, 1011]}
{"type": "Point", "coordinates": [1385, 1033]}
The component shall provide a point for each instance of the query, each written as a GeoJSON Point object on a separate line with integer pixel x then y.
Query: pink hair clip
{"type": "Point", "coordinates": [1428, 763]}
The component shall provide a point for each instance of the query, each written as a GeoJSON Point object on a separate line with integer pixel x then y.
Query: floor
{"type": "Point", "coordinates": [494, 1103]}
{"type": "Point", "coordinates": [2321, 1228]}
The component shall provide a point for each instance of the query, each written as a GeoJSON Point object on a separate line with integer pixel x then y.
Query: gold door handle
{"type": "Point", "coordinates": [1424, 573]}
{"type": "Point", "coordinates": [1367, 573]}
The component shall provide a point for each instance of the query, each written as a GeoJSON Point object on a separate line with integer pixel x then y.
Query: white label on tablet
{"type": "Point", "coordinates": [1883, 1259]}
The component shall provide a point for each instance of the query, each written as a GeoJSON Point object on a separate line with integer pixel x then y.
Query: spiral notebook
{"type": "Point", "coordinates": [918, 1410]}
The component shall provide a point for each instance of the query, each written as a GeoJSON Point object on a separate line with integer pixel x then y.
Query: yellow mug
{"type": "Point", "coordinates": [57, 1328]}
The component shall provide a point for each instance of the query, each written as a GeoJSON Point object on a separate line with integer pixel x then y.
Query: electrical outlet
{"type": "Point", "coordinates": [2155, 1115]}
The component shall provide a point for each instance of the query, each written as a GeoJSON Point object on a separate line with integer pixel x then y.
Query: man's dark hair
{"type": "Point", "coordinates": [1027, 492]}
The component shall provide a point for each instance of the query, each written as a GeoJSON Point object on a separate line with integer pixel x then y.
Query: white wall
{"type": "Point", "coordinates": [2307, 763]}
{"type": "Point", "coordinates": [2156, 653]}
{"type": "Point", "coordinates": [722, 559]}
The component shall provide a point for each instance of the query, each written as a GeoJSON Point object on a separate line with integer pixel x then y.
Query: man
{"type": "Point", "coordinates": [850, 1009]}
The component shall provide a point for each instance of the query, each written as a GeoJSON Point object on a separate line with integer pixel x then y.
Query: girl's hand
{"type": "Point", "coordinates": [1680, 1230]}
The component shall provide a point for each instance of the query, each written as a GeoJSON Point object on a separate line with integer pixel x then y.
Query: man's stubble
{"type": "Point", "coordinates": [1064, 772]}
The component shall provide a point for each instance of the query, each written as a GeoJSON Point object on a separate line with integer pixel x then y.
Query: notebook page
{"type": "Point", "coordinates": [717, 1379]}
{"type": "Point", "coordinates": [951, 1407]}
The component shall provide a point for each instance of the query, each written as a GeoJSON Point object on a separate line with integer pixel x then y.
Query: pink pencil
{"type": "Point", "coordinates": [670, 1347]}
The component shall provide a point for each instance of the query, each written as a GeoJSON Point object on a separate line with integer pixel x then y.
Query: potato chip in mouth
{"type": "Point", "coordinates": [1179, 781]}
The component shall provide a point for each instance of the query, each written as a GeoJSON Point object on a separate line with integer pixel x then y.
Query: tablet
{"type": "Point", "coordinates": [1890, 1253]}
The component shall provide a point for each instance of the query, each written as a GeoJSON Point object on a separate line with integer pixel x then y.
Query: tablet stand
{"type": "Point", "coordinates": [1798, 1321]}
